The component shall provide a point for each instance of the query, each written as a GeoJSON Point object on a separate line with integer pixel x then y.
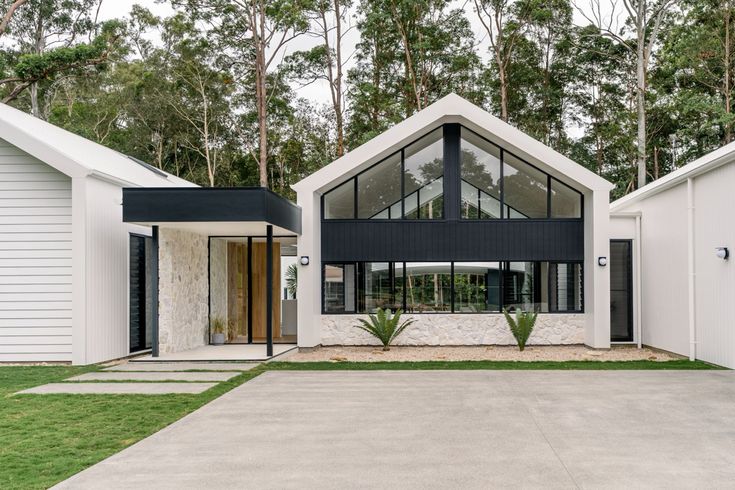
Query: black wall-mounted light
{"type": "Point", "coordinates": [602, 261]}
{"type": "Point", "coordinates": [722, 253]}
{"type": "Point", "coordinates": [304, 260]}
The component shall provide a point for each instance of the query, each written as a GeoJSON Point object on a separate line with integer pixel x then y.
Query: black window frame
{"type": "Point", "coordinates": [453, 309]}
{"type": "Point", "coordinates": [453, 144]}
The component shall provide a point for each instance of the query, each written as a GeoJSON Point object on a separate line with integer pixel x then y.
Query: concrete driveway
{"type": "Point", "coordinates": [444, 429]}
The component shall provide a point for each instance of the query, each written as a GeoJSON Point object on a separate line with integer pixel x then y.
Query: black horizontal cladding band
{"type": "Point", "coordinates": [402, 240]}
{"type": "Point", "coordinates": [215, 204]}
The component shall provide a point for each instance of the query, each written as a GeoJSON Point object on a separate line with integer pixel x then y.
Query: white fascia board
{"type": "Point", "coordinates": [34, 146]}
{"type": "Point", "coordinates": [453, 109]}
{"type": "Point", "coordinates": [710, 161]}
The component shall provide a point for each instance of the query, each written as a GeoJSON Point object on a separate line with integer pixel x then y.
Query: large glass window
{"type": "Point", "coordinates": [524, 189]}
{"type": "Point", "coordinates": [476, 287]}
{"type": "Point", "coordinates": [494, 184]}
{"type": "Point", "coordinates": [339, 203]}
{"type": "Point", "coordinates": [422, 177]}
{"type": "Point", "coordinates": [339, 288]}
{"type": "Point", "coordinates": [565, 201]}
{"type": "Point", "coordinates": [480, 174]}
{"type": "Point", "coordinates": [377, 286]}
{"type": "Point", "coordinates": [428, 287]}
{"type": "Point", "coordinates": [379, 190]}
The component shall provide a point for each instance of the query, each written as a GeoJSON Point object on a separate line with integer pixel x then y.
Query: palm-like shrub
{"type": "Point", "coordinates": [292, 279]}
{"type": "Point", "coordinates": [384, 326]}
{"type": "Point", "coordinates": [522, 326]}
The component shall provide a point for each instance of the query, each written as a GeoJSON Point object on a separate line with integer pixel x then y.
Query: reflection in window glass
{"type": "Point", "coordinates": [524, 286]}
{"type": "Point", "coordinates": [423, 183]}
{"type": "Point", "coordinates": [428, 287]}
{"type": "Point", "coordinates": [476, 287]}
{"type": "Point", "coordinates": [339, 288]}
{"type": "Point", "coordinates": [377, 286]}
{"type": "Point", "coordinates": [379, 190]}
{"type": "Point", "coordinates": [480, 172]}
{"type": "Point", "coordinates": [524, 189]}
{"type": "Point", "coordinates": [565, 201]}
{"type": "Point", "coordinates": [339, 203]}
{"type": "Point", "coordinates": [565, 287]}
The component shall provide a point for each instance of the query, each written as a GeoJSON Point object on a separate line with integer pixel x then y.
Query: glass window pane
{"type": "Point", "coordinates": [524, 189]}
{"type": "Point", "coordinates": [379, 188]}
{"type": "Point", "coordinates": [524, 286]}
{"type": "Point", "coordinates": [339, 288]}
{"type": "Point", "coordinates": [339, 203]}
{"type": "Point", "coordinates": [476, 287]}
{"type": "Point", "coordinates": [565, 201]}
{"type": "Point", "coordinates": [565, 287]}
{"type": "Point", "coordinates": [376, 287]}
{"type": "Point", "coordinates": [480, 170]}
{"type": "Point", "coordinates": [424, 167]}
{"type": "Point", "coordinates": [428, 287]}
{"type": "Point", "coordinates": [470, 201]}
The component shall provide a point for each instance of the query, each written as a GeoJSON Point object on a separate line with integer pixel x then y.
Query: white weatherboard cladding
{"type": "Point", "coordinates": [458, 329]}
{"type": "Point", "coordinates": [35, 259]}
{"type": "Point", "coordinates": [182, 290]}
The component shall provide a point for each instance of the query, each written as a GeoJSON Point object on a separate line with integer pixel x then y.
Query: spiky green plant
{"type": "Point", "coordinates": [291, 279]}
{"type": "Point", "coordinates": [217, 324]}
{"type": "Point", "coordinates": [384, 326]}
{"type": "Point", "coordinates": [522, 326]}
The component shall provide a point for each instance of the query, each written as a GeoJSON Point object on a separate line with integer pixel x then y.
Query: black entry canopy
{"type": "Point", "coordinates": [157, 205]}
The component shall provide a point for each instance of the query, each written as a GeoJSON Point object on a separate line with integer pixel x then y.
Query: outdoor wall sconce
{"type": "Point", "coordinates": [722, 253]}
{"type": "Point", "coordinates": [602, 261]}
{"type": "Point", "coordinates": [304, 260]}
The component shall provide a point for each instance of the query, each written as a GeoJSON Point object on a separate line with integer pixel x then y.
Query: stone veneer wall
{"type": "Point", "coordinates": [218, 271]}
{"type": "Point", "coordinates": [182, 291]}
{"type": "Point", "coordinates": [458, 329]}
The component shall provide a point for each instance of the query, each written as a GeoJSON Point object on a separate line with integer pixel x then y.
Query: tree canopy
{"type": "Point", "coordinates": [211, 93]}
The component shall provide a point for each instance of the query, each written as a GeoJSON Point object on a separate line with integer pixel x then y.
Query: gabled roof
{"type": "Point", "coordinates": [701, 165]}
{"type": "Point", "coordinates": [76, 156]}
{"type": "Point", "coordinates": [452, 109]}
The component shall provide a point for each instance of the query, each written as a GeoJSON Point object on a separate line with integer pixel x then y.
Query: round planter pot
{"type": "Point", "coordinates": [218, 339]}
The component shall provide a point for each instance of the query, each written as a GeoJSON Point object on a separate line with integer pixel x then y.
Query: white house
{"type": "Point", "coordinates": [64, 249]}
{"type": "Point", "coordinates": [451, 215]}
{"type": "Point", "coordinates": [682, 233]}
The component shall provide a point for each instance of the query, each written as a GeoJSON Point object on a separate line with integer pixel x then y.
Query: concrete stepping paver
{"type": "Point", "coordinates": [183, 366]}
{"type": "Point", "coordinates": [155, 376]}
{"type": "Point", "coordinates": [119, 388]}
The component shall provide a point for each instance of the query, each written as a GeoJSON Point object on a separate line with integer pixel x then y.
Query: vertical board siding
{"type": "Point", "coordinates": [107, 275]}
{"type": "Point", "coordinates": [35, 259]}
{"type": "Point", "coordinates": [714, 202]}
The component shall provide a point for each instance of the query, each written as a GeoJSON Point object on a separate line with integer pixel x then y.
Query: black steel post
{"type": "Point", "coordinates": [269, 290]}
{"type": "Point", "coordinates": [154, 291]}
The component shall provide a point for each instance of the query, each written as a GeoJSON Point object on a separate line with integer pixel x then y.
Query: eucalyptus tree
{"type": "Point", "coordinates": [645, 19]}
{"type": "Point", "coordinates": [8, 10]}
{"type": "Point", "coordinates": [329, 24]}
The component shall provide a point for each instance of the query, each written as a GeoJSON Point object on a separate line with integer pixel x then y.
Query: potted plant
{"type": "Point", "coordinates": [384, 326]}
{"type": "Point", "coordinates": [522, 326]}
{"type": "Point", "coordinates": [217, 324]}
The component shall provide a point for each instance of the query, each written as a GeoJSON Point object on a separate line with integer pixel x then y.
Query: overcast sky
{"type": "Point", "coordinates": [318, 91]}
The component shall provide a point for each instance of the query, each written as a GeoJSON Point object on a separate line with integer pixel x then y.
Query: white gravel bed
{"type": "Point", "coordinates": [481, 353]}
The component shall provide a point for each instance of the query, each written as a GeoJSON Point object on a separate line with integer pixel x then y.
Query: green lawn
{"type": "Point", "coordinates": [46, 438]}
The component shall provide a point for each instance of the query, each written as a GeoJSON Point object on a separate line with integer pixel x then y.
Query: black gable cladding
{"type": "Point", "coordinates": [513, 240]}
{"type": "Point", "coordinates": [202, 204]}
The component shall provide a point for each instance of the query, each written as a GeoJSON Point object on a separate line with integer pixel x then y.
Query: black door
{"type": "Point", "coordinates": [621, 291]}
{"type": "Point", "coordinates": [140, 337]}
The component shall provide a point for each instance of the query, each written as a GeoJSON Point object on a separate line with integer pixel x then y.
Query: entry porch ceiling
{"type": "Point", "coordinates": [219, 211]}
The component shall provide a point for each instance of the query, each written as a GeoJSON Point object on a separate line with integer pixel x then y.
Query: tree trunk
{"type": "Point", "coordinates": [728, 70]}
{"type": "Point", "coordinates": [338, 81]}
{"type": "Point", "coordinates": [261, 93]}
{"type": "Point", "coordinates": [641, 103]}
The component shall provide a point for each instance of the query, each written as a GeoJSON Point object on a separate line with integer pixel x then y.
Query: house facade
{"type": "Point", "coordinates": [72, 286]}
{"type": "Point", "coordinates": [680, 235]}
{"type": "Point", "coordinates": [453, 216]}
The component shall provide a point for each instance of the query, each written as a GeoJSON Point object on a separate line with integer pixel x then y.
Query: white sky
{"type": "Point", "coordinates": [319, 91]}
